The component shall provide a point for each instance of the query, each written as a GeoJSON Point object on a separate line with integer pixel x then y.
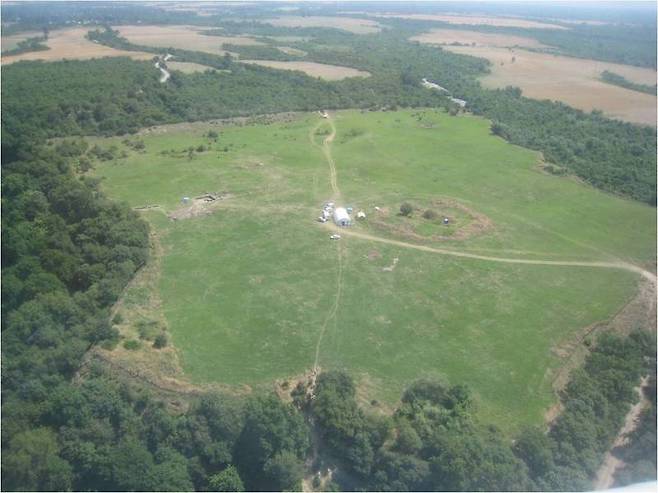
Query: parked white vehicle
{"type": "Point", "coordinates": [334, 237]}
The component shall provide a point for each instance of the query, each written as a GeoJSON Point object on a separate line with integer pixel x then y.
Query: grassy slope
{"type": "Point", "coordinates": [246, 290]}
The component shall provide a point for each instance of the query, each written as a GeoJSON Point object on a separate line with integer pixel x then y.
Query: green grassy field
{"type": "Point", "coordinates": [249, 290]}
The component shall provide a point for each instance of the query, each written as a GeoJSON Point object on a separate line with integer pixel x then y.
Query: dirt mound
{"type": "Point", "coordinates": [199, 206]}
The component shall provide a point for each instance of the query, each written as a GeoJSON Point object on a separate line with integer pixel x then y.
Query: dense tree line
{"type": "Point", "coordinates": [434, 443]}
{"type": "Point", "coordinates": [27, 45]}
{"type": "Point", "coordinates": [618, 80]}
{"type": "Point", "coordinates": [612, 155]}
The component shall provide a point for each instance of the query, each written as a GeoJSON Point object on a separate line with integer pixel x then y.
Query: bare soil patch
{"type": "Point", "coordinates": [450, 36]}
{"type": "Point", "coordinates": [324, 71]}
{"type": "Point", "coordinates": [201, 205]}
{"type": "Point", "coordinates": [71, 44]}
{"type": "Point", "coordinates": [357, 26]}
{"type": "Point", "coordinates": [573, 81]}
{"type": "Point", "coordinates": [182, 37]}
{"type": "Point", "coordinates": [475, 20]}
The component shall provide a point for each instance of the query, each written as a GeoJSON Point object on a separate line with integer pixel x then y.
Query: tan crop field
{"type": "Point", "coordinates": [357, 26]}
{"type": "Point", "coordinates": [72, 44]}
{"type": "Point", "coordinates": [448, 36]}
{"type": "Point", "coordinates": [574, 81]}
{"type": "Point", "coordinates": [474, 20]}
{"type": "Point", "coordinates": [322, 70]}
{"type": "Point", "coordinates": [182, 37]}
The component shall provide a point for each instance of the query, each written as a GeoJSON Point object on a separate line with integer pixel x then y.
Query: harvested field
{"type": "Point", "coordinates": [324, 71]}
{"type": "Point", "coordinates": [187, 67]}
{"type": "Point", "coordinates": [574, 81]}
{"type": "Point", "coordinates": [72, 44]}
{"type": "Point", "coordinates": [449, 36]}
{"type": "Point", "coordinates": [182, 37]}
{"type": "Point", "coordinates": [11, 42]}
{"type": "Point", "coordinates": [357, 26]}
{"type": "Point", "coordinates": [474, 20]}
{"type": "Point", "coordinates": [291, 51]}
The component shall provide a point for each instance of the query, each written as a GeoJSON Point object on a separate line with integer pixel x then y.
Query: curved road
{"type": "Point", "coordinates": [326, 149]}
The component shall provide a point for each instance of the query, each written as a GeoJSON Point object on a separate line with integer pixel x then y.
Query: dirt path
{"type": "Point", "coordinates": [605, 475]}
{"type": "Point", "coordinates": [326, 150]}
{"type": "Point", "coordinates": [566, 263]}
{"type": "Point", "coordinates": [332, 312]}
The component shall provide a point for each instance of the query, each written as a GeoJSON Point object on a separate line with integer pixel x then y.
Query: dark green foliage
{"type": "Point", "coordinates": [160, 341]}
{"type": "Point", "coordinates": [227, 480]}
{"type": "Point", "coordinates": [618, 80]}
{"type": "Point", "coordinates": [27, 45]}
{"type": "Point", "coordinates": [273, 438]}
{"type": "Point", "coordinates": [131, 345]}
{"type": "Point", "coordinates": [406, 209]}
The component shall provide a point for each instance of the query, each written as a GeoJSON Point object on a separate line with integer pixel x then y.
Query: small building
{"type": "Point", "coordinates": [341, 217]}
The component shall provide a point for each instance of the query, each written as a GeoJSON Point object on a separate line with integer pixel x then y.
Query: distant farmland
{"type": "Point", "coordinates": [252, 290]}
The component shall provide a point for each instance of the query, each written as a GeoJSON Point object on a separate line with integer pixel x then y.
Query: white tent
{"type": "Point", "coordinates": [341, 217]}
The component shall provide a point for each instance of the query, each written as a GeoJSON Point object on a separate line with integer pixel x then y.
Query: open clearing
{"type": "Point", "coordinates": [72, 44]}
{"type": "Point", "coordinates": [449, 36]}
{"type": "Point", "coordinates": [351, 24]}
{"type": "Point", "coordinates": [187, 67]}
{"type": "Point", "coordinates": [475, 20]}
{"type": "Point", "coordinates": [574, 81]}
{"type": "Point", "coordinates": [322, 70]}
{"type": "Point", "coordinates": [254, 291]}
{"type": "Point", "coordinates": [182, 37]}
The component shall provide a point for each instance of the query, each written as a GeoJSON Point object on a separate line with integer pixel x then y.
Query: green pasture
{"type": "Point", "coordinates": [247, 290]}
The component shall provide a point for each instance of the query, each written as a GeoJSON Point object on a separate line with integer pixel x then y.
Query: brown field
{"type": "Point", "coordinates": [182, 37]}
{"type": "Point", "coordinates": [72, 44]}
{"type": "Point", "coordinates": [357, 26]}
{"type": "Point", "coordinates": [448, 36]}
{"type": "Point", "coordinates": [11, 42]}
{"type": "Point", "coordinates": [324, 71]}
{"type": "Point", "coordinates": [573, 81]}
{"type": "Point", "coordinates": [187, 67]}
{"type": "Point", "coordinates": [291, 51]}
{"type": "Point", "coordinates": [475, 20]}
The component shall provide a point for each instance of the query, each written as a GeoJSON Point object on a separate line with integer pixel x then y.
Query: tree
{"type": "Point", "coordinates": [227, 480]}
{"type": "Point", "coordinates": [284, 471]}
{"type": "Point", "coordinates": [406, 209]}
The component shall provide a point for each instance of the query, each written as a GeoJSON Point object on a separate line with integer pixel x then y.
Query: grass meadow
{"type": "Point", "coordinates": [248, 290]}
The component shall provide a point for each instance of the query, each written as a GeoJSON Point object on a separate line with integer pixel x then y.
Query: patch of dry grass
{"type": "Point", "coordinates": [449, 36]}
{"type": "Point", "coordinates": [324, 71]}
{"type": "Point", "coordinates": [182, 37]}
{"type": "Point", "coordinates": [72, 44]}
{"type": "Point", "coordinates": [291, 51]}
{"type": "Point", "coordinates": [357, 26]}
{"type": "Point", "coordinates": [187, 67]}
{"type": "Point", "coordinates": [574, 81]}
{"type": "Point", "coordinates": [475, 20]}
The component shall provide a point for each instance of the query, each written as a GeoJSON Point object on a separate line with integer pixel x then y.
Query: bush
{"type": "Point", "coordinates": [117, 319]}
{"type": "Point", "coordinates": [131, 345]}
{"type": "Point", "coordinates": [429, 214]}
{"type": "Point", "coordinates": [160, 341]}
{"type": "Point", "coordinates": [406, 209]}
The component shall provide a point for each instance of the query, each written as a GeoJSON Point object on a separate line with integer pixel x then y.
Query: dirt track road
{"type": "Point", "coordinates": [566, 263]}
{"type": "Point", "coordinates": [606, 474]}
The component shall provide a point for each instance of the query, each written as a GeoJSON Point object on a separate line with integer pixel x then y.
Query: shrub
{"type": "Point", "coordinates": [160, 341]}
{"type": "Point", "coordinates": [429, 214]}
{"type": "Point", "coordinates": [117, 319]}
{"type": "Point", "coordinates": [406, 209]}
{"type": "Point", "coordinates": [131, 345]}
